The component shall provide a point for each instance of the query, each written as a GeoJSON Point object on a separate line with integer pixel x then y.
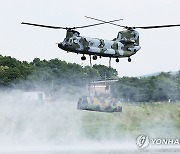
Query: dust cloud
{"type": "Point", "coordinates": [57, 126]}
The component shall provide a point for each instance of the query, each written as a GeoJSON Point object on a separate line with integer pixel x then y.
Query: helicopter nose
{"type": "Point", "coordinates": [60, 45]}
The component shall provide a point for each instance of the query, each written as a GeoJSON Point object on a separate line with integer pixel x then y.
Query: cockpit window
{"type": "Point", "coordinates": [76, 33]}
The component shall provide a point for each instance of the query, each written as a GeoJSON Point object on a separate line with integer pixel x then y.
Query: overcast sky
{"type": "Point", "coordinates": [160, 48]}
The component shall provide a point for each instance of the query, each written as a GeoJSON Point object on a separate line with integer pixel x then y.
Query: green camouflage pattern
{"type": "Point", "coordinates": [125, 45]}
{"type": "Point", "coordinates": [100, 104]}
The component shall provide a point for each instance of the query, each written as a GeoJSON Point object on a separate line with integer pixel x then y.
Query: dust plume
{"type": "Point", "coordinates": [48, 125]}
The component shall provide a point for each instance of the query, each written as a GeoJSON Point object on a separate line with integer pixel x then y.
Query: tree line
{"type": "Point", "coordinates": [44, 72]}
{"type": "Point", "coordinates": [162, 87]}
{"type": "Point", "coordinates": [38, 74]}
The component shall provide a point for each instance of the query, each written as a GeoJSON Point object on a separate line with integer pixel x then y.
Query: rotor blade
{"type": "Point", "coordinates": [101, 23]}
{"type": "Point", "coordinates": [106, 21]}
{"type": "Point", "coordinates": [54, 27]}
{"type": "Point", "coordinates": [161, 26]}
{"type": "Point", "coordinates": [142, 27]}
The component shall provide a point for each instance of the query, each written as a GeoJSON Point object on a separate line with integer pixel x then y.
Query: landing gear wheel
{"type": "Point", "coordinates": [129, 59]}
{"type": "Point", "coordinates": [83, 58]}
{"type": "Point", "coordinates": [117, 60]}
{"type": "Point", "coordinates": [94, 57]}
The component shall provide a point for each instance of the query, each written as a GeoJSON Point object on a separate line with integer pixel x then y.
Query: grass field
{"type": "Point", "coordinates": [63, 123]}
{"type": "Point", "coordinates": [156, 119]}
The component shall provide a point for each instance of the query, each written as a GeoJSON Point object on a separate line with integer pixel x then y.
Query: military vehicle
{"type": "Point", "coordinates": [125, 44]}
{"type": "Point", "coordinates": [99, 97]}
{"type": "Point", "coordinates": [97, 103]}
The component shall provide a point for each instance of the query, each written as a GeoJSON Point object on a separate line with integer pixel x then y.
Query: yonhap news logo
{"type": "Point", "coordinates": [143, 141]}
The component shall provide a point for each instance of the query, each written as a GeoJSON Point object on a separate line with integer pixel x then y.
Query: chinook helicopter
{"type": "Point", "coordinates": [125, 44]}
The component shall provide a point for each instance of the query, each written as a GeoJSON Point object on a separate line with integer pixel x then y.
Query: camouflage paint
{"type": "Point", "coordinates": [100, 104]}
{"type": "Point", "coordinates": [125, 45]}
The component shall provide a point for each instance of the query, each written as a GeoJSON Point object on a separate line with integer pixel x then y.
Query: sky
{"type": "Point", "coordinates": [160, 48]}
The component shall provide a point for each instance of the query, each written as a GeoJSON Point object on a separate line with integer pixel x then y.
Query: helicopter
{"type": "Point", "coordinates": [125, 44]}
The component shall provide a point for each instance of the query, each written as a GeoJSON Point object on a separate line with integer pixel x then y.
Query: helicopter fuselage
{"type": "Point", "coordinates": [116, 48]}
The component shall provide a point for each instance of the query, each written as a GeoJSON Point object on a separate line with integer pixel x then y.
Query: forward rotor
{"type": "Point", "coordinates": [70, 28]}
